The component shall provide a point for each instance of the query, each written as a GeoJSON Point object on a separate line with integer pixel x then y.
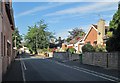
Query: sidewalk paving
{"type": "Point", "coordinates": [77, 63]}
{"type": "Point", "coordinates": [14, 72]}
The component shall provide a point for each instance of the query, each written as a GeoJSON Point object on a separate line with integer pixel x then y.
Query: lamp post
{"type": "Point", "coordinates": [15, 42]}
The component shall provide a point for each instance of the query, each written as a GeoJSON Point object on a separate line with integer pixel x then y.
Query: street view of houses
{"type": "Point", "coordinates": [57, 41]}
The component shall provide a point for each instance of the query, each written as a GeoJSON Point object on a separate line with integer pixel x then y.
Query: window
{"type": "Point", "coordinates": [4, 47]}
{"type": "Point", "coordinates": [8, 49]}
{"type": "Point", "coordinates": [1, 44]}
{"type": "Point", "coordinates": [0, 5]}
{"type": "Point", "coordinates": [106, 31]}
{"type": "Point", "coordinates": [95, 42]}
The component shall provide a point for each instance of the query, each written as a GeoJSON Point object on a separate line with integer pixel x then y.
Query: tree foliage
{"type": "Point", "coordinates": [18, 38]}
{"type": "Point", "coordinates": [71, 50]}
{"type": "Point", "coordinates": [113, 43]}
{"type": "Point", "coordinates": [38, 36]}
{"type": "Point", "coordinates": [74, 33]}
{"type": "Point", "coordinates": [99, 48]}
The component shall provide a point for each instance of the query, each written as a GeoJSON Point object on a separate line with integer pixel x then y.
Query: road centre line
{"type": "Point", "coordinates": [88, 72]}
{"type": "Point", "coordinates": [25, 68]}
{"type": "Point", "coordinates": [23, 74]}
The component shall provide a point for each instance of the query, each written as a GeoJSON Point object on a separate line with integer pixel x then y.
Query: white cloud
{"type": "Point", "coordinates": [63, 34]}
{"type": "Point", "coordinates": [53, 21]}
{"type": "Point", "coordinates": [96, 7]}
{"type": "Point", "coordinates": [40, 8]}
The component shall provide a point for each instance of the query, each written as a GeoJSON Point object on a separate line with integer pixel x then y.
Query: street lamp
{"type": "Point", "coordinates": [15, 42]}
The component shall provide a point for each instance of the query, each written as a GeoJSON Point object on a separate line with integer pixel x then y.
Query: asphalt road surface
{"type": "Point", "coordinates": [43, 69]}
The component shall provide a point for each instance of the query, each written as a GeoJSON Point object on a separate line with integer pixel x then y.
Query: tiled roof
{"type": "Point", "coordinates": [106, 27]}
{"type": "Point", "coordinates": [76, 39]}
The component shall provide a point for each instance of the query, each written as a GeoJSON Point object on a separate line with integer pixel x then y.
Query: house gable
{"type": "Point", "coordinates": [91, 36]}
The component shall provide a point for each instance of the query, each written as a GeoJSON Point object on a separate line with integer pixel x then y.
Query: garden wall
{"type": "Point", "coordinates": [65, 56]}
{"type": "Point", "coordinates": [106, 60]}
{"type": "Point", "coordinates": [61, 55]}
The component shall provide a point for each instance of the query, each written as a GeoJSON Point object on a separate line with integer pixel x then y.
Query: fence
{"type": "Point", "coordinates": [106, 60]}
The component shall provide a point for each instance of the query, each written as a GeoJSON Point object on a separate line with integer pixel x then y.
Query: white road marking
{"type": "Point", "coordinates": [88, 72]}
{"type": "Point", "coordinates": [98, 73]}
{"type": "Point", "coordinates": [23, 74]}
{"type": "Point", "coordinates": [24, 65]}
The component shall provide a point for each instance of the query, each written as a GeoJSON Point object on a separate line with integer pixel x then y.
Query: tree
{"type": "Point", "coordinates": [18, 38]}
{"type": "Point", "coordinates": [38, 36]}
{"type": "Point", "coordinates": [76, 32]}
{"type": "Point", "coordinates": [113, 43]}
{"type": "Point", "coordinates": [30, 38]}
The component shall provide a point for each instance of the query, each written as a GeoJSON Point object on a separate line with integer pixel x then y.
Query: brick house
{"type": "Point", "coordinates": [95, 36]}
{"type": "Point", "coordinates": [96, 33]}
{"type": "Point", "coordinates": [6, 30]}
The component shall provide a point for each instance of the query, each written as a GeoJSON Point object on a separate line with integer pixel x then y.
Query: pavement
{"type": "Point", "coordinates": [28, 68]}
{"type": "Point", "coordinates": [14, 72]}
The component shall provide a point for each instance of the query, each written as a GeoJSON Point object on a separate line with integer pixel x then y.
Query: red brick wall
{"type": "Point", "coordinates": [91, 37]}
{"type": "Point", "coordinates": [7, 33]}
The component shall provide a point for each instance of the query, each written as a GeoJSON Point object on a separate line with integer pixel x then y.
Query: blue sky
{"type": "Point", "coordinates": [62, 16]}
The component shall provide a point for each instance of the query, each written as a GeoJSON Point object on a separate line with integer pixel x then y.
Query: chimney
{"type": "Point", "coordinates": [101, 31]}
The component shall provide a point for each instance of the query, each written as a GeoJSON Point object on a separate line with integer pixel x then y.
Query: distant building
{"type": "Point", "coordinates": [24, 49]}
{"type": "Point", "coordinates": [6, 30]}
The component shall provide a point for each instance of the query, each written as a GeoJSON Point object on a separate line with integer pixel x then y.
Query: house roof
{"type": "Point", "coordinates": [94, 27]}
{"type": "Point", "coordinates": [76, 39]}
{"type": "Point", "coordinates": [106, 27]}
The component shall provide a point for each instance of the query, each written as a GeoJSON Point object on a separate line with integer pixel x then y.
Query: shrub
{"type": "Point", "coordinates": [99, 48]}
{"type": "Point", "coordinates": [88, 48]}
{"type": "Point", "coordinates": [71, 50]}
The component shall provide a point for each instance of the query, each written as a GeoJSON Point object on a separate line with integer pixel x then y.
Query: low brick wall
{"type": "Point", "coordinates": [65, 56]}
{"type": "Point", "coordinates": [87, 58]}
{"type": "Point", "coordinates": [100, 59]}
{"type": "Point", "coordinates": [106, 60]}
{"type": "Point", "coordinates": [61, 55]}
{"type": "Point", "coordinates": [113, 60]}
{"type": "Point", "coordinates": [74, 57]}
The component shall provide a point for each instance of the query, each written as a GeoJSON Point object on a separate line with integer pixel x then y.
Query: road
{"type": "Point", "coordinates": [43, 69]}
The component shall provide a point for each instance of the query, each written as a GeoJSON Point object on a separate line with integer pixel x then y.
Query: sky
{"type": "Point", "coordinates": [62, 17]}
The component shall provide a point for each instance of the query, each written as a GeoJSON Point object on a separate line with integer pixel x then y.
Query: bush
{"type": "Point", "coordinates": [99, 48]}
{"type": "Point", "coordinates": [88, 48]}
{"type": "Point", "coordinates": [71, 50]}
